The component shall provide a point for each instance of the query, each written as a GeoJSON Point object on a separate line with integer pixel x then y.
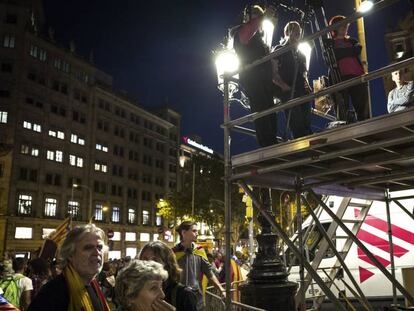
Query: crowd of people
{"type": "Point", "coordinates": [160, 278]}
{"type": "Point", "coordinates": [286, 76]}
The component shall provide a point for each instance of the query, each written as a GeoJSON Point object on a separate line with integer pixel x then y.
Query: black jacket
{"type": "Point", "coordinates": [182, 297]}
{"type": "Point", "coordinates": [53, 296]}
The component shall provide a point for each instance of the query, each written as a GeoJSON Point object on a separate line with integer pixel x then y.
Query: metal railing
{"type": "Point", "coordinates": [214, 302]}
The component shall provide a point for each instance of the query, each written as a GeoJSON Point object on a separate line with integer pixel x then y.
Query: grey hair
{"type": "Point", "coordinates": [73, 237]}
{"type": "Point", "coordinates": [132, 279]}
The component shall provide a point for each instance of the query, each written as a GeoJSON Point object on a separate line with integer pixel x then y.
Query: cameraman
{"type": "Point", "coordinates": [257, 81]}
{"type": "Point", "coordinates": [290, 79]}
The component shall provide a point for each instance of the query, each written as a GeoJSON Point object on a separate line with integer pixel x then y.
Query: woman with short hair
{"type": "Point", "coordinates": [180, 296]}
{"type": "Point", "coordinates": [138, 287]}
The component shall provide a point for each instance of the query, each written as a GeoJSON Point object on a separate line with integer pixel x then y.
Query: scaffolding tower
{"type": "Point", "coordinates": [363, 160]}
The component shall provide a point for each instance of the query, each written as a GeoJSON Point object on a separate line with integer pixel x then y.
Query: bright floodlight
{"type": "Point", "coordinates": [306, 50]}
{"type": "Point", "coordinates": [227, 62]}
{"type": "Point", "coordinates": [365, 6]}
{"type": "Point", "coordinates": [268, 28]}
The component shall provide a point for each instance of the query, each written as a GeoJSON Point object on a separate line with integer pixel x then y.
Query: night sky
{"type": "Point", "coordinates": [160, 52]}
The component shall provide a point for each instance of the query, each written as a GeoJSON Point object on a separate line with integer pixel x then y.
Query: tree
{"type": "Point", "coordinates": [208, 176]}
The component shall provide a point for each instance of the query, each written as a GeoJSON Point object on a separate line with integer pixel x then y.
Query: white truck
{"type": "Point", "coordinates": [373, 232]}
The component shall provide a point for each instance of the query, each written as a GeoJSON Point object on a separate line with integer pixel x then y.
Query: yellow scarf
{"type": "Point", "coordinates": [79, 297]}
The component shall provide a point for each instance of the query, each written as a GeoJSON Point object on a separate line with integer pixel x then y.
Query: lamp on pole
{"type": "Point", "coordinates": [364, 6]}
{"type": "Point", "coordinates": [89, 216]}
{"type": "Point", "coordinates": [227, 62]}
{"type": "Point", "coordinates": [193, 191]}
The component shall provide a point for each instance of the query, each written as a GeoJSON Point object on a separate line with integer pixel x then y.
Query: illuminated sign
{"type": "Point", "coordinates": [193, 143]}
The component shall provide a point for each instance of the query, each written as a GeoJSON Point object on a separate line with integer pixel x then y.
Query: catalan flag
{"type": "Point", "coordinates": [59, 235]}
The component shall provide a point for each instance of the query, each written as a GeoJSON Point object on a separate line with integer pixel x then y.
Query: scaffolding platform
{"type": "Point", "coordinates": [357, 160]}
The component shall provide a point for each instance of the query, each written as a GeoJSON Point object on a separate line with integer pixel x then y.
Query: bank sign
{"type": "Point", "coordinates": [193, 143]}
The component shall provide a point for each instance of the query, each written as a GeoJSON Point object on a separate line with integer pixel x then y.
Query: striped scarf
{"type": "Point", "coordinates": [79, 297]}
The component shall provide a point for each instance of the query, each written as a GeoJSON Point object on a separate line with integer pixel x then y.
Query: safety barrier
{"type": "Point", "coordinates": [214, 302]}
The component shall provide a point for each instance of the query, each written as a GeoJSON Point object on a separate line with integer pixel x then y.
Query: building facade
{"type": "Point", "coordinates": [72, 145]}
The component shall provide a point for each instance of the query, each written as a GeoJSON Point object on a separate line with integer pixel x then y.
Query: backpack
{"type": "Point", "coordinates": [11, 290]}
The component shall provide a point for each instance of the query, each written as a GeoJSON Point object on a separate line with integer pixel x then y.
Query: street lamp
{"type": "Point", "coordinates": [227, 62]}
{"type": "Point", "coordinates": [90, 199]}
{"type": "Point", "coordinates": [365, 6]}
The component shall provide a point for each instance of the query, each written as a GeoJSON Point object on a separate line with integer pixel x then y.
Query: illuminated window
{"type": "Point", "coordinates": [27, 125]}
{"type": "Point", "coordinates": [75, 161]}
{"type": "Point", "coordinates": [46, 232]}
{"type": "Point", "coordinates": [130, 236]}
{"type": "Point", "coordinates": [37, 127]}
{"type": "Point", "coordinates": [50, 207]}
{"type": "Point", "coordinates": [72, 160]}
{"type": "Point", "coordinates": [114, 254]}
{"type": "Point", "coordinates": [76, 139]}
{"type": "Point", "coordinates": [25, 204]}
{"type": "Point", "coordinates": [131, 216]}
{"type": "Point", "coordinates": [9, 41]}
{"type": "Point", "coordinates": [73, 209]}
{"type": "Point", "coordinates": [24, 149]}
{"type": "Point", "coordinates": [155, 236]}
{"type": "Point", "coordinates": [50, 155]}
{"type": "Point", "coordinates": [23, 233]}
{"type": "Point", "coordinates": [115, 214]}
{"type": "Point", "coordinates": [59, 156]}
{"type": "Point", "coordinates": [117, 236]}
{"type": "Point", "coordinates": [79, 162]}
{"type": "Point", "coordinates": [144, 237]}
{"type": "Point", "coordinates": [99, 167]}
{"type": "Point", "coordinates": [35, 152]}
{"type": "Point", "coordinates": [158, 220]}
{"type": "Point", "coordinates": [131, 251]}
{"type": "Point", "coordinates": [99, 212]}
{"type": "Point", "coordinates": [145, 217]}
{"type": "Point", "coordinates": [3, 116]}
{"type": "Point", "coordinates": [32, 126]}
{"type": "Point", "coordinates": [101, 147]}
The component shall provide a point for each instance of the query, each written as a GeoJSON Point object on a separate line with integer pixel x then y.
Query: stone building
{"type": "Point", "coordinates": [72, 145]}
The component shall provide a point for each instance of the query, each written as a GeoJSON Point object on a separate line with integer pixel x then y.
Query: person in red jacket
{"type": "Point", "coordinates": [257, 82]}
{"type": "Point", "coordinates": [347, 52]}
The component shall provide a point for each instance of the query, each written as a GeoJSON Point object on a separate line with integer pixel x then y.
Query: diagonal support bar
{"type": "Point", "coordinates": [387, 274]}
{"type": "Point", "coordinates": [292, 246]}
{"type": "Point", "coordinates": [337, 254]}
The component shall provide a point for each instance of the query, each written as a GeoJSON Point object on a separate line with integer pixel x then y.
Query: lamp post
{"type": "Point", "coordinates": [227, 62]}
{"type": "Point", "coordinates": [193, 191]}
{"type": "Point", "coordinates": [267, 286]}
{"type": "Point", "coordinates": [364, 6]}
{"type": "Point", "coordinates": [89, 216]}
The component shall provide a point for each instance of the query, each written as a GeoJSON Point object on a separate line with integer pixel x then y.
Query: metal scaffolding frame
{"type": "Point", "coordinates": [365, 160]}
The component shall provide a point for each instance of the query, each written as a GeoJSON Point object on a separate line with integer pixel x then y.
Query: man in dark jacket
{"type": "Point", "coordinates": [76, 287]}
{"type": "Point", "coordinates": [291, 79]}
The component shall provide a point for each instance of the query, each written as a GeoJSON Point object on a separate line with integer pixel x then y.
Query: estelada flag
{"type": "Point", "coordinates": [60, 233]}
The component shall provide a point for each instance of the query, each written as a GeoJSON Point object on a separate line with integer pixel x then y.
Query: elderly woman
{"type": "Point", "coordinates": [138, 287]}
{"type": "Point", "coordinates": [180, 296]}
